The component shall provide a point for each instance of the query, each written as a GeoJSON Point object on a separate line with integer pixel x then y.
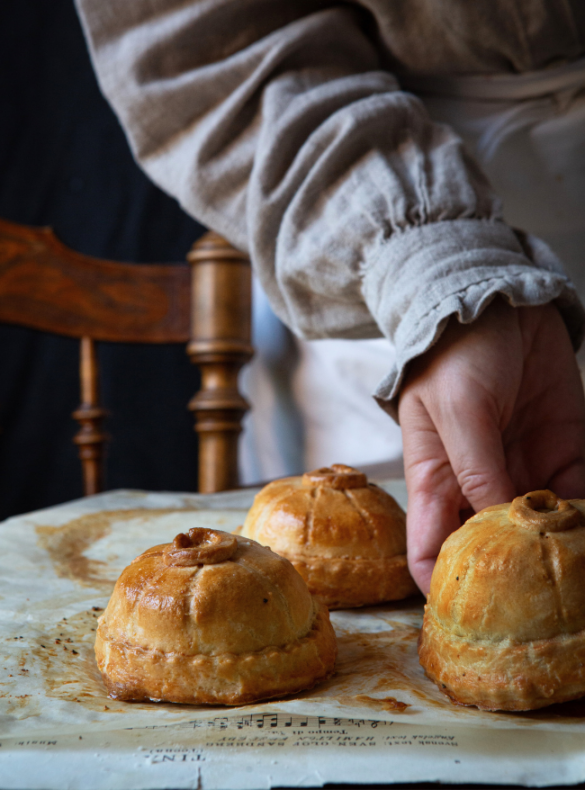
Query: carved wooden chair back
{"type": "Point", "coordinates": [46, 286]}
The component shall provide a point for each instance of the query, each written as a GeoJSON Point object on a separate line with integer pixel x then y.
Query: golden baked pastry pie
{"type": "Point", "coordinates": [504, 623]}
{"type": "Point", "coordinates": [212, 618]}
{"type": "Point", "coordinates": [345, 536]}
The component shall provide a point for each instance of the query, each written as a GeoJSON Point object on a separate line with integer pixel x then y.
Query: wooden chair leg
{"type": "Point", "coordinates": [90, 439]}
{"type": "Point", "coordinates": [220, 344]}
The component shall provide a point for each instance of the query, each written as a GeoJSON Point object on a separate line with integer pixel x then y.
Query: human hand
{"type": "Point", "coordinates": [493, 410]}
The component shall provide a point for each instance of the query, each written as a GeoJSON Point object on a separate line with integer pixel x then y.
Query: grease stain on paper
{"type": "Point", "coordinates": [70, 671]}
{"type": "Point", "coordinates": [66, 545]}
{"type": "Point", "coordinates": [369, 664]}
{"type": "Point", "coordinates": [375, 703]}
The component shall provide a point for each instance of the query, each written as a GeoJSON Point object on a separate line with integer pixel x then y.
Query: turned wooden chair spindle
{"type": "Point", "coordinates": [90, 438]}
{"type": "Point", "coordinates": [46, 286]}
{"type": "Point", "coordinates": [220, 345]}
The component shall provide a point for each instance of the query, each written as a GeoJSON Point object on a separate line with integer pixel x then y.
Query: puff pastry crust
{"type": "Point", "coordinates": [504, 624]}
{"type": "Point", "coordinates": [212, 618]}
{"type": "Point", "coordinates": [345, 536]}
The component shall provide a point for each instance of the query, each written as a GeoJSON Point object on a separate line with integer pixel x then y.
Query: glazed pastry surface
{"type": "Point", "coordinates": [212, 618]}
{"type": "Point", "coordinates": [504, 624]}
{"type": "Point", "coordinates": [345, 536]}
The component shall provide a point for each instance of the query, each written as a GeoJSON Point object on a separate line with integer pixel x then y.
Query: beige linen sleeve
{"type": "Point", "coordinates": [275, 124]}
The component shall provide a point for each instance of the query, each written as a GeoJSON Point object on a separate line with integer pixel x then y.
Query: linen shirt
{"type": "Point", "coordinates": [281, 125]}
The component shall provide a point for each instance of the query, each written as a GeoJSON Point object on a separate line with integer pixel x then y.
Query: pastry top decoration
{"type": "Point", "coordinates": [544, 511]}
{"type": "Point", "coordinates": [332, 512]}
{"type": "Point", "coordinates": [200, 547]}
{"type": "Point", "coordinates": [514, 571]}
{"type": "Point", "coordinates": [337, 476]}
{"type": "Point", "coordinates": [209, 592]}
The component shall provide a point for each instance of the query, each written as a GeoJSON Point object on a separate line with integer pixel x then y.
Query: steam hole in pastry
{"type": "Point", "coordinates": [543, 502]}
{"type": "Point", "coordinates": [200, 547]}
{"type": "Point", "coordinates": [543, 511]}
{"type": "Point", "coordinates": [336, 476]}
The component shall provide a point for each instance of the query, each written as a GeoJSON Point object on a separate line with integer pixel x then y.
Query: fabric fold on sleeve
{"type": "Point", "coordinates": [421, 277]}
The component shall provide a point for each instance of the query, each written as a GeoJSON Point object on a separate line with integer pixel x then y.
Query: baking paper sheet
{"type": "Point", "coordinates": [57, 570]}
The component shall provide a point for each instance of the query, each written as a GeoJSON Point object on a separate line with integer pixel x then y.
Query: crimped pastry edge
{"type": "Point", "coordinates": [350, 582]}
{"type": "Point", "coordinates": [137, 674]}
{"type": "Point", "coordinates": [507, 675]}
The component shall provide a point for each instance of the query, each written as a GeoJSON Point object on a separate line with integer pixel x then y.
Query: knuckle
{"type": "Point", "coordinates": [474, 485]}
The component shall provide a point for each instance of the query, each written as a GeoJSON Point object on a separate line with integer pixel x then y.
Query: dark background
{"type": "Point", "coordinates": [64, 162]}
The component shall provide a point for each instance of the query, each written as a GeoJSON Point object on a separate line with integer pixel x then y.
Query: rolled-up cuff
{"type": "Point", "coordinates": [422, 276]}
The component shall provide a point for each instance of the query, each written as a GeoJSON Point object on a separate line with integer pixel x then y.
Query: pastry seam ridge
{"type": "Point", "coordinates": [311, 635]}
{"type": "Point", "coordinates": [317, 559]}
{"type": "Point", "coordinates": [505, 642]}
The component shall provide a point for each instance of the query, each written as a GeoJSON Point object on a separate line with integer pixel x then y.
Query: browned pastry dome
{"type": "Point", "coordinates": [212, 618]}
{"type": "Point", "coordinates": [504, 625]}
{"type": "Point", "coordinates": [345, 536]}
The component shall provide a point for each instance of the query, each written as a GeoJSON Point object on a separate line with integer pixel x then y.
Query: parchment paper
{"type": "Point", "coordinates": [57, 570]}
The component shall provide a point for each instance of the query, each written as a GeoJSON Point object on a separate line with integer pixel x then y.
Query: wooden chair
{"type": "Point", "coordinates": [46, 286]}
